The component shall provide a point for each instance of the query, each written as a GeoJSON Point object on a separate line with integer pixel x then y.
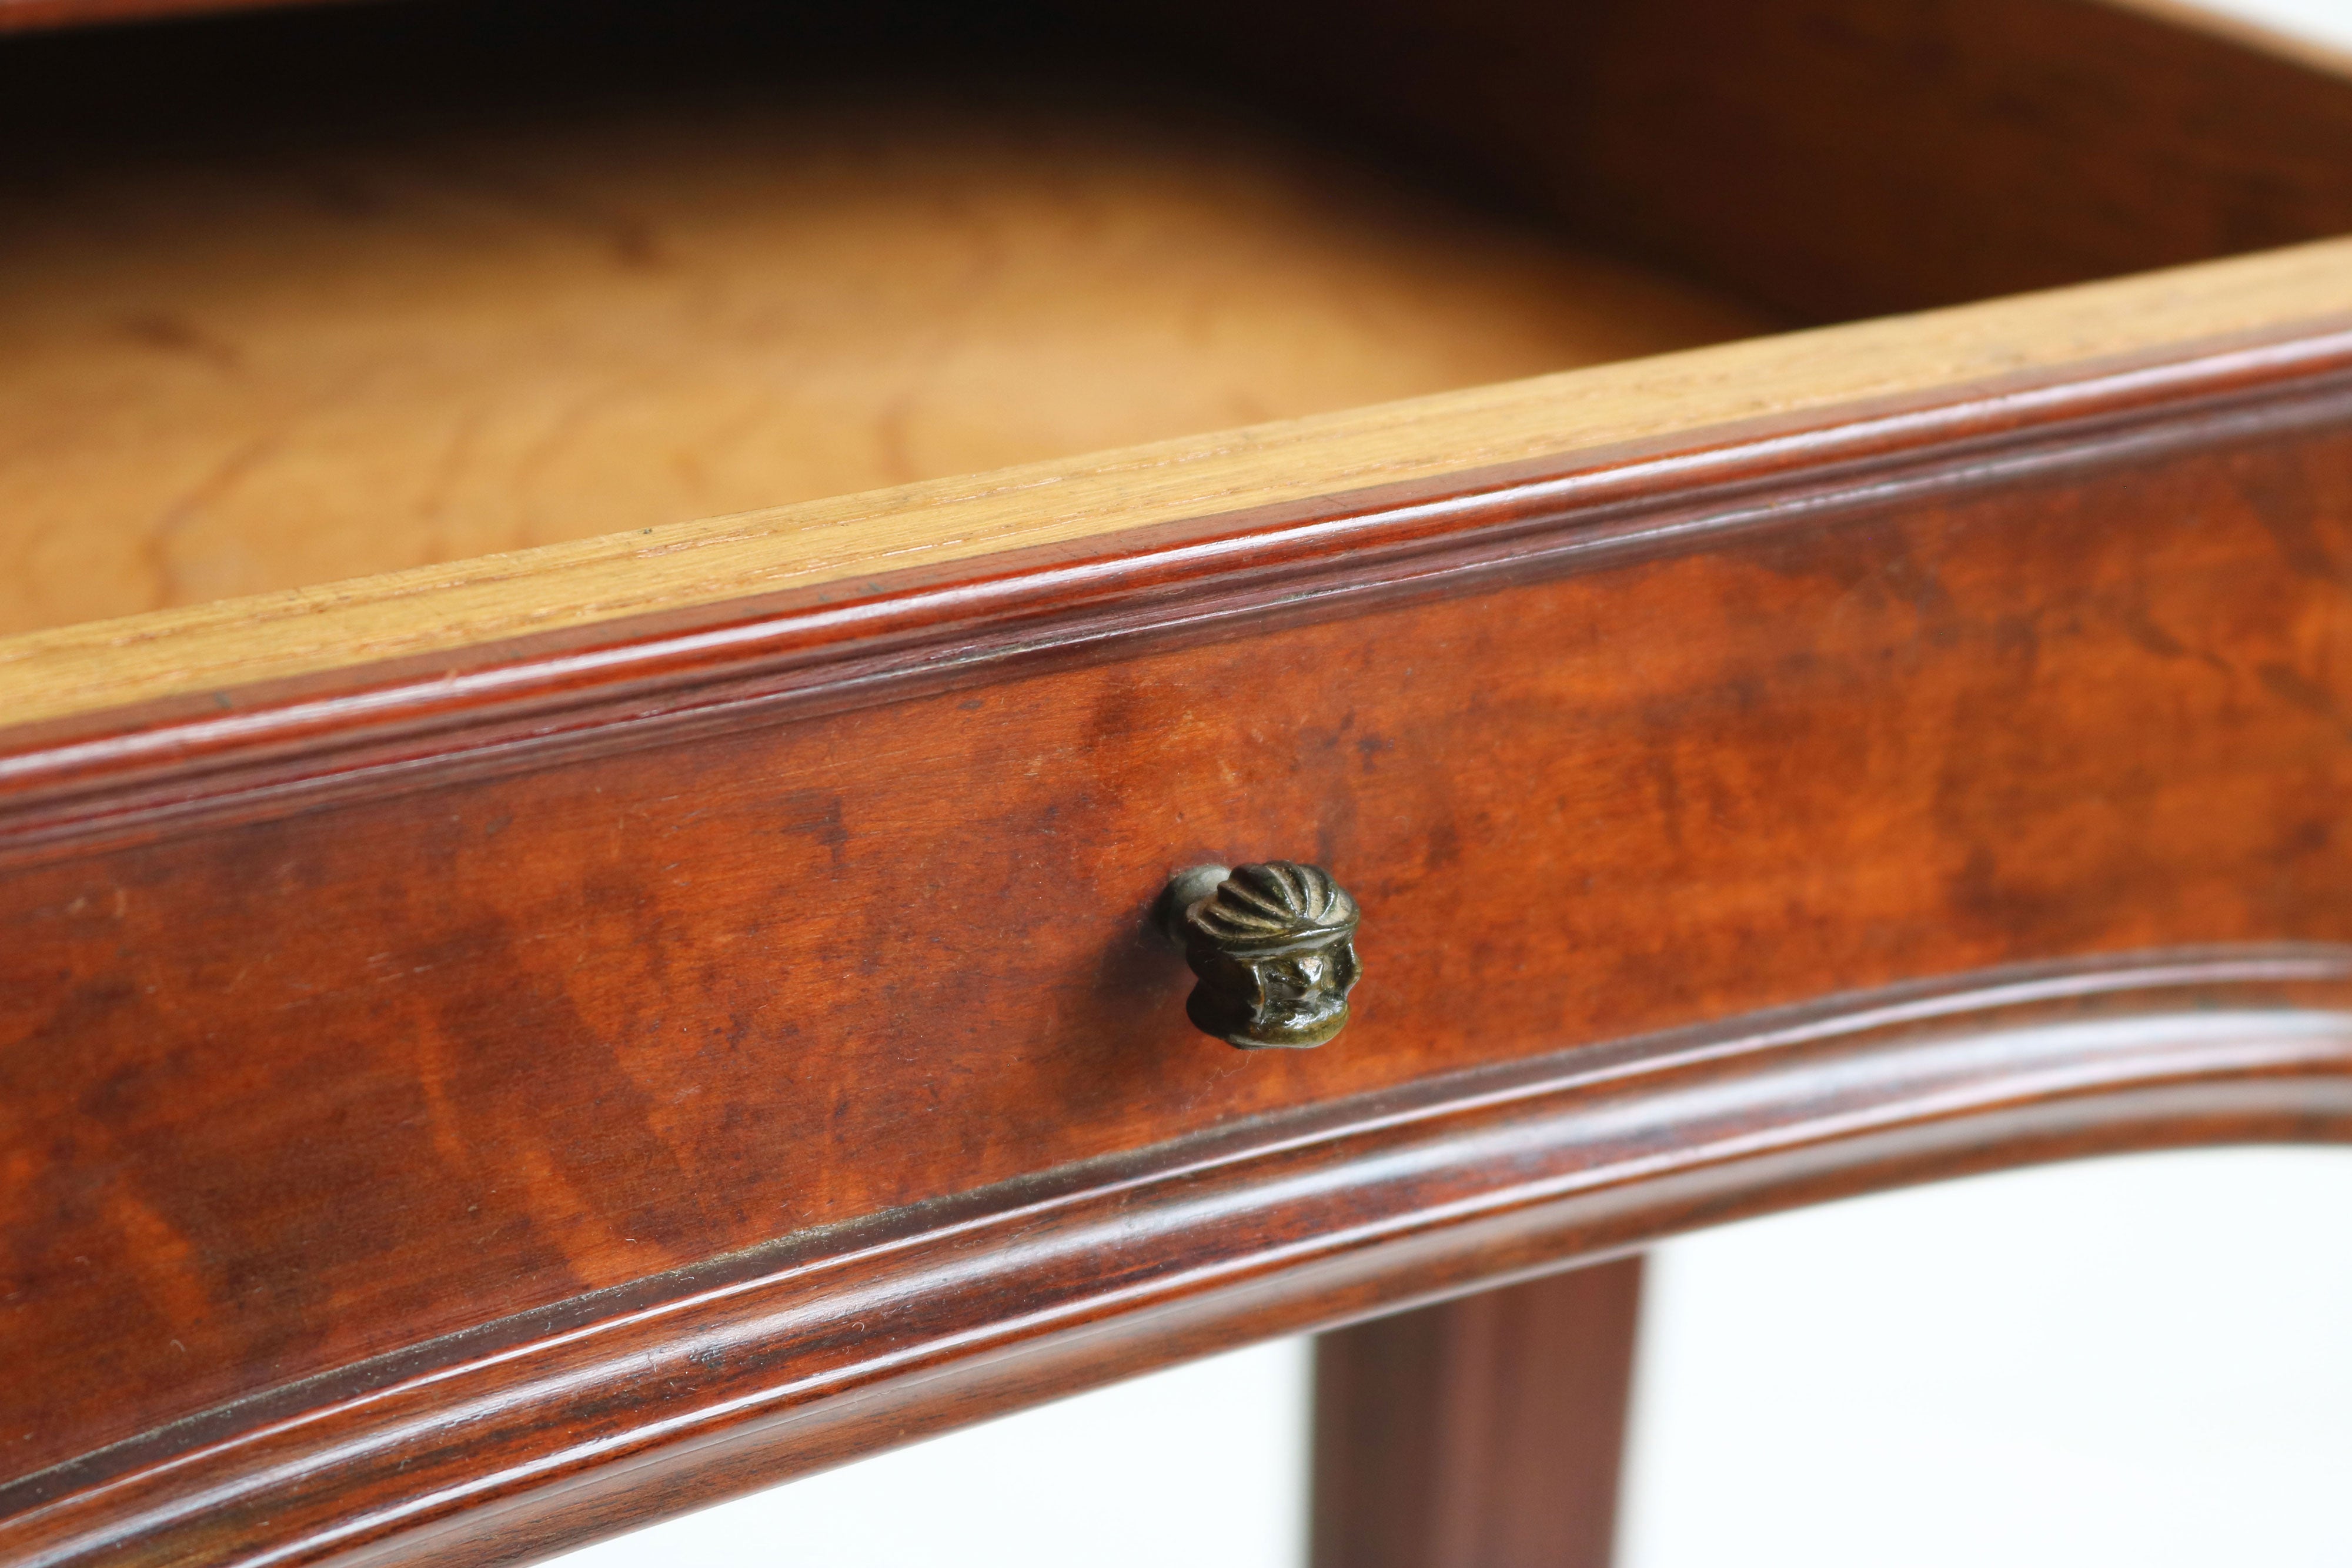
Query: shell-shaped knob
{"type": "Point", "coordinates": [1274, 948]}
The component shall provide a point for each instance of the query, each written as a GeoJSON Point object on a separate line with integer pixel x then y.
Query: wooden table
{"type": "Point", "coordinates": [497, 1048]}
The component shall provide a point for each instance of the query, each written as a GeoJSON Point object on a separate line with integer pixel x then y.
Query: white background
{"type": "Point", "coordinates": [2144, 1361]}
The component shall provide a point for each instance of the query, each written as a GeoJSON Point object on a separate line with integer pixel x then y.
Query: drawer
{"type": "Point", "coordinates": [520, 1041]}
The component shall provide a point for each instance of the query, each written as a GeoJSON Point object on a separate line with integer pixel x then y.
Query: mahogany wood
{"type": "Point", "coordinates": [492, 1057]}
{"type": "Point", "coordinates": [443, 638]}
{"type": "Point", "coordinates": [556, 1426]}
{"type": "Point", "coordinates": [1599, 765]}
{"type": "Point", "coordinates": [1841, 158]}
{"type": "Point", "coordinates": [1481, 1433]}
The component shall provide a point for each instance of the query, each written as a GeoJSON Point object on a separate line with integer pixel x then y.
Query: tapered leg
{"type": "Point", "coordinates": [1483, 1433]}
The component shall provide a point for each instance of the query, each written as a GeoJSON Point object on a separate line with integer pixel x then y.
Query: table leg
{"type": "Point", "coordinates": [1480, 1433]}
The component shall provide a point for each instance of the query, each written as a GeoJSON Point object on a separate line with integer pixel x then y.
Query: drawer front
{"type": "Point", "coordinates": [496, 1049]}
{"type": "Point", "coordinates": [708, 1094]}
{"type": "Point", "coordinates": [299, 1090]}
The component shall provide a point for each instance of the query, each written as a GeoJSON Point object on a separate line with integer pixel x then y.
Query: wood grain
{"type": "Point", "coordinates": [1835, 158]}
{"type": "Point", "coordinates": [714, 1381]}
{"type": "Point", "coordinates": [327, 1079]}
{"type": "Point", "coordinates": [345, 346]}
{"type": "Point", "coordinates": [1956, 359]}
{"type": "Point", "coordinates": [493, 1053]}
{"type": "Point", "coordinates": [1480, 1433]}
{"type": "Point", "coordinates": [257, 369]}
{"type": "Point", "coordinates": [223, 757]}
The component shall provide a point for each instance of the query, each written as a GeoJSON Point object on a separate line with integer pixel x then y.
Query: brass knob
{"type": "Point", "coordinates": [1274, 947]}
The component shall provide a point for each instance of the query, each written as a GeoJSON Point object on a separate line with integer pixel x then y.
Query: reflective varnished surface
{"type": "Point", "coordinates": [459, 1105]}
{"type": "Point", "coordinates": [1274, 948]}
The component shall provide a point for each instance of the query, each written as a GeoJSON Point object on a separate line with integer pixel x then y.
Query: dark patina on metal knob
{"type": "Point", "coordinates": [1274, 947]}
